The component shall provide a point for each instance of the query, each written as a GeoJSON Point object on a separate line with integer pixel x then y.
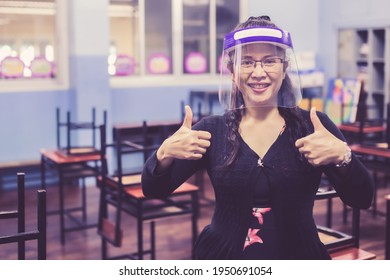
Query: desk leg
{"type": "Point", "coordinates": [194, 217]}
{"type": "Point", "coordinates": [61, 198]}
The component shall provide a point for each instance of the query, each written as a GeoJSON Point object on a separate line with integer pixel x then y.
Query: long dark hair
{"type": "Point", "coordinates": [295, 123]}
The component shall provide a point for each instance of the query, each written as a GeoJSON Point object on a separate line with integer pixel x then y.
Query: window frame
{"type": "Point", "coordinates": [61, 81]}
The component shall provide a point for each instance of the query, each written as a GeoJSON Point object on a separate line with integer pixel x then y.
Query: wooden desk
{"type": "Point", "coordinates": [365, 130]}
{"type": "Point", "coordinates": [362, 130]}
{"type": "Point", "coordinates": [377, 151]}
{"type": "Point", "coordinates": [69, 167]}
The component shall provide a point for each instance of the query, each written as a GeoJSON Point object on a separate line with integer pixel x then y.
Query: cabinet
{"type": "Point", "coordinates": [364, 53]}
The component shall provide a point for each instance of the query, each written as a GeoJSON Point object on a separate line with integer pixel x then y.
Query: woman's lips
{"type": "Point", "coordinates": [259, 87]}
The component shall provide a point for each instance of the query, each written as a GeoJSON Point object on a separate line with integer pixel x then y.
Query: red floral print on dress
{"type": "Point", "coordinates": [252, 237]}
{"type": "Point", "coordinates": [258, 213]}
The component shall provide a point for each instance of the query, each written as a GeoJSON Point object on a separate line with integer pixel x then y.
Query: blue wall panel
{"type": "Point", "coordinates": [28, 123]}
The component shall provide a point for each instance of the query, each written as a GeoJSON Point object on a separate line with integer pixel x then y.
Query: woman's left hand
{"type": "Point", "coordinates": [321, 147]}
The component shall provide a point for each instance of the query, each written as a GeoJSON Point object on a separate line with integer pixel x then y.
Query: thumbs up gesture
{"type": "Point", "coordinates": [321, 147]}
{"type": "Point", "coordinates": [185, 143]}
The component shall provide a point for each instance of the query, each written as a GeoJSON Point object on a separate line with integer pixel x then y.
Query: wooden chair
{"type": "Point", "coordinates": [121, 191]}
{"type": "Point", "coordinates": [22, 235]}
{"type": "Point", "coordinates": [72, 165]}
{"type": "Point", "coordinates": [342, 245]}
{"type": "Point", "coordinates": [71, 126]}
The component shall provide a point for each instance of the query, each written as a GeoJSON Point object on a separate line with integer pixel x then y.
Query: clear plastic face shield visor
{"type": "Point", "coordinates": [259, 69]}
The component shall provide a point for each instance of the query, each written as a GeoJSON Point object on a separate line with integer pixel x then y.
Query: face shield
{"type": "Point", "coordinates": [259, 69]}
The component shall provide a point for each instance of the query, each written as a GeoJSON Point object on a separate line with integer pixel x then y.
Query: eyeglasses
{"type": "Point", "coordinates": [269, 64]}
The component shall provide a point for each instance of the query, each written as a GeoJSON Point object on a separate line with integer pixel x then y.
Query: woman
{"type": "Point", "coordinates": [264, 156]}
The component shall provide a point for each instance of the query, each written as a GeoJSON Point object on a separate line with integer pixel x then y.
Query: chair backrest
{"type": "Point", "coordinates": [339, 239]}
{"type": "Point", "coordinates": [22, 235]}
{"type": "Point", "coordinates": [203, 101]}
{"type": "Point", "coordinates": [70, 127]}
{"type": "Point", "coordinates": [197, 103]}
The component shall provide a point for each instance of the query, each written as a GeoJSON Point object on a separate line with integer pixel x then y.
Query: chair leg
{"type": "Point", "coordinates": [84, 200]}
{"type": "Point", "coordinates": [329, 211]}
{"type": "Point", "coordinates": [140, 231]}
{"type": "Point", "coordinates": [194, 217]}
{"type": "Point", "coordinates": [104, 249]}
{"type": "Point", "coordinates": [152, 240]}
{"type": "Point", "coordinates": [42, 224]}
{"type": "Point", "coordinates": [21, 216]}
{"type": "Point", "coordinates": [387, 246]}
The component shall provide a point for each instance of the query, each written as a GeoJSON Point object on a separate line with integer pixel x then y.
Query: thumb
{"type": "Point", "coordinates": [315, 120]}
{"type": "Point", "coordinates": [188, 117]}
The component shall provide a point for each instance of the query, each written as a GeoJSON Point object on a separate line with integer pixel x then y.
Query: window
{"type": "Point", "coordinates": [169, 37]}
{"type": "Point", "coordinates": [227, 17]}
{"type": "Point", "coordinates": [196, 36]}
{"type": "Point", "coordinates": [158, 36]}
{"type": "Point", "coordinates": [124, 58]}
{"type": "Point", "coordinates": [27, 39]}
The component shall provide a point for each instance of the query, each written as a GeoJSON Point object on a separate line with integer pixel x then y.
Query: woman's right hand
{"type": "Point", "coordinates": [185, 143]}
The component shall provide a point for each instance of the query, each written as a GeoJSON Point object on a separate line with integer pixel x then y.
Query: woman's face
{"type": "Point", "coordinates": [260, 83]}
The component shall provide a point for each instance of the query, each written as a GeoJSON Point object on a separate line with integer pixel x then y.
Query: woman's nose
{"type": "Point", "coordinates": [258, 70]}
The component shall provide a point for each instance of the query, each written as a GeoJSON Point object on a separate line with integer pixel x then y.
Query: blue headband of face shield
{"type": "Point", "coordinates": [270, 35]}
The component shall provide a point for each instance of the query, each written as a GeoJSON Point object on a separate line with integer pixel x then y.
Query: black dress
{"type": "Point", "coordinates": [288, 230]}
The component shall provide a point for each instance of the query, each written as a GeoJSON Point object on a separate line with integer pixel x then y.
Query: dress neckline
{"type": "Point", "coordinates": [260, 160]}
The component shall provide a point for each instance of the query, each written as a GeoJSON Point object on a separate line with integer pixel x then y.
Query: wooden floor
{"type": "Point", "coordinates": [173, 234]}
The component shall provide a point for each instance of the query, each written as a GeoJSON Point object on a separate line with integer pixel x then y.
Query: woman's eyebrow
{"type": "Point", "coordinates": [265, 56]}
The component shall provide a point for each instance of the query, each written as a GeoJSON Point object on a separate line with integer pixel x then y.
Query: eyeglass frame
{"type": "Point", "coordinates": [261, 61]}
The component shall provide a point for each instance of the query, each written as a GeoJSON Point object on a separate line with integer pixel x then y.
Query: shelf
{"type": "Point", "coordinates": [364, 53]}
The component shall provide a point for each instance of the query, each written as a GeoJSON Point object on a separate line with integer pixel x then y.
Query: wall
{"type": "Point", "coordinates": [27, 121]}
{"type": "Point", "coordinates": [299, 17]}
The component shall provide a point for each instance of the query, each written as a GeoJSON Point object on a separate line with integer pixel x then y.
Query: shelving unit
{"type": "Point", "coordinates": [364, 53]}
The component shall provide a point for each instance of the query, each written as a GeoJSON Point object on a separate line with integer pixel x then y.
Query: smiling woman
{"type": "Point", "coordinates": [265, 156]}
